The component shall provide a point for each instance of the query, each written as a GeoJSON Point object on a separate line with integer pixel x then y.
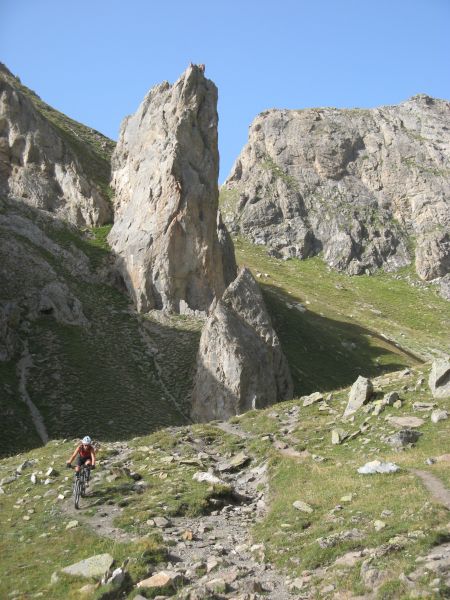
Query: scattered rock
{"type": "Point", "coordinates": [338, 436]}
{"type": "Point", "coordinates": [379, 525]}
{"type": "Point", "coordinates": [403, 438]}
{"type": "Point", "coordinates": [302, 506]}
{"type": "Point", "coordinates": [234, 464]}
{"type": "Point", "coordinates": [424, 406]}
{"type": "Point", "coordinates": [378, 466]}
{"type": "Point", "coordinates": [166, 580]}
{"type": "Point", "coordinates": [207, 477]}
{"type": "Point", "coordinates": [94, 566]}
{"type": "Point", "coordinates": [438, 415]}
{"type": "Point", "coordinates": [312, 399]}
{"type": "Point", "coordinates": [72, 524]}
{"type": "Point", "coordinates": [405, 421]}
{"type": "Point", "coordinates": [360, 394]}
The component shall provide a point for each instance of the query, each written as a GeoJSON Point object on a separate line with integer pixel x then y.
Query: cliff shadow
{"type": "Point", "coordinates": [325, 354]}
{"type": "Point", "coordinates": [119, 375]}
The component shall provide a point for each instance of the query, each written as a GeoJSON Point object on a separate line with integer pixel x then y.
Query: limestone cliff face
{"type": "Point", "coordinates": [165, 171]}
{"type": "Point", "coordinates": [240, 363]}
{"type": "Point", "coordinates": [360, 185]}
{"type": "Point", "coordinates": [38, 165]}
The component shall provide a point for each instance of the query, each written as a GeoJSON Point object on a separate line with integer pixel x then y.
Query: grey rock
{"type": "Point", "coordinates": [438, 415]}
{"type": "Point", "coordinates": [240, 364]}
{"type": "Point", "coordinates": [404, 437]}
{"type": "Point", "coordinates": [378, 466]}
{"type": "Point", "coordinates": [439, 380]}
{"type": "Point", "coordinates": [94, 566]}
{"type": "Point", "coordinates": [165, 170]}
{"type": "Point", "coordinates": [408, 422]}
{"type": "Point", "coordinates": [302, 506]}
{"type": "Point", "coordinates": [39, 166]}
{"type": "Point", "coordinates": [353, 184]}
{"type": "Point", "coordinates": [360, 394]}
{"type": "Point", "coordinates": [233, 464]}
{"type": "Point", "coordinates": [390, 398]}
{"type": "Point", "coordinates": [312, 399]}
{"type": "Point", "coordinates": [338, 436]}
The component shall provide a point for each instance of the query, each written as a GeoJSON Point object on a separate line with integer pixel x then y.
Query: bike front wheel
{"type": "Point", "coordinates": [77, 492]}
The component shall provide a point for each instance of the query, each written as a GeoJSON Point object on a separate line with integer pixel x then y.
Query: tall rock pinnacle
{"type": "Point", "coordinates": [165, 171]}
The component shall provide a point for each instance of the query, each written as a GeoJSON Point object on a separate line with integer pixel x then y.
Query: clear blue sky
{"type": "Point", "coordinates": [95, 59]}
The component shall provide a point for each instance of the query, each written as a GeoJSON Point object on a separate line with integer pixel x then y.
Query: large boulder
{"type": "Point", "coordinates": [165, 171]}
{"type": "Point", "coordinates": [240, 363]}
{"type": "Point", "coordinates": [439, 380]}
{"type": "Point", "coordinates": [360, 394]}
{"type": "Point", "coordinates": [94, 566]}
{"type": "Point", "coordinates": [353, 184]}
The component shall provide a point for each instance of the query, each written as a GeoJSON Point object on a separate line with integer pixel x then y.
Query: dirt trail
{"type": "Point", "coordinates": [224, 536]}
{"type": "Point", "coordinates": [24, 364]}
{"type": "Point", "coordinates": [435, 486]}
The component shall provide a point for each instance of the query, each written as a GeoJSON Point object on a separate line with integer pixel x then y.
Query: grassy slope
{"type": "Point", "coordinates": [92, 148]}
{"type": "Point", "coordinates": [341, 333]}
{"type": "Point", "coordinates": [415, 523]}
{"type": "Point", "coordinates": [101, 378]}
{"type": "Point", "coordinates": [323, 485]}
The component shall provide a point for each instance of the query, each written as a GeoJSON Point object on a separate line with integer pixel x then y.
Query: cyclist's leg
{"type": "Point", "coordinates": [80, 461]}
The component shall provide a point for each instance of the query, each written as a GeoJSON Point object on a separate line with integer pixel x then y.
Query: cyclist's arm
{"type": "Point", "coordinates": [93, 457]}
{"type": "Point", "coordinates": [73, 455]}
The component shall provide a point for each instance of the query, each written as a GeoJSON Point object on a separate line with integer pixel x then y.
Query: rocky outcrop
{"type": "Point", "coordinates": [358, 185]}
{"type": "Point", "coordinates": [165, 171]}
{"type": "Point", "coordinates": [38, 161]}
{"type": "Point", "coordinates": [240, 363]}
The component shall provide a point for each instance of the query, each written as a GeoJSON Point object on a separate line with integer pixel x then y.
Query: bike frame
{"type": "Point", "coordinates": [79, 484]}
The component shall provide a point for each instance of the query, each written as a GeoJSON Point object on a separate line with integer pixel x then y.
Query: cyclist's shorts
{"type": "Point", "coordinates": [81, 460]}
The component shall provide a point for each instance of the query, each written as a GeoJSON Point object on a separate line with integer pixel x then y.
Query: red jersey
{"type": "Point", "coordinates": [85, 452]}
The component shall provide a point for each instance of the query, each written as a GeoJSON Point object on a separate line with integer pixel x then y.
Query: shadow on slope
{"type": "Point", "coordinates": [122, 375]}
{"type": "Point", "coordinates": [326, 354]}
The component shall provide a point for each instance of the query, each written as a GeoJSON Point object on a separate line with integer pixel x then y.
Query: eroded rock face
{"type": "Point", "coordinates": [165, 171]}
{"type": "Point", "coordinates": [37, 164]}
{"type": "Point", "coordinates": [355, 184]}
{"type": "Point", "coordinates": [240, 364]}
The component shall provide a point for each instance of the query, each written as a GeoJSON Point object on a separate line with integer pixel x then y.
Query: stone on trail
{"type": "Point", "coordinates": [72, 524]}
{"type": "Point", "coordinates": [439, 380]}
{"type": "Point", "coordinates": [94, 566]}
{"type": "Point", "coordinates": [402, 422]}
{"type": "Point", "coordinates": [360, 394]}
{"type": "Point", "coordinates": [302, 506]}
{"type": "Point", "coordinates": [161, 522]}
{"type": "Point", "coordinates": [439, 415]}
{"type": "Point", "coordinates": [234, 464]}
{"type": "Point", "coordinates": [207, 477]}
{"type": "Point", "coordinates": [166, 580]}
{"type": "Point", "coordinates": [378, 466]}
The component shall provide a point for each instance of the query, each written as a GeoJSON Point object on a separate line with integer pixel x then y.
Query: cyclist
{"type": "Point", "coordinates": [85, 454]}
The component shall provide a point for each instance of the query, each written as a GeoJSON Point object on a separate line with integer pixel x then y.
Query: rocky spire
{"type": "Point", "coordinates": [240, 363]}
{"type": "Point", "coordinates": [165, 171]}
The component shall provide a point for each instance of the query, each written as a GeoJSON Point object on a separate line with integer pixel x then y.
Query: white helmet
{"type": "Point", "coordinates": [86, 440]}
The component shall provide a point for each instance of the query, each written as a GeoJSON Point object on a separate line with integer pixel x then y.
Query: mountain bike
{"type": "Point", "coordinates": [80, 483]}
